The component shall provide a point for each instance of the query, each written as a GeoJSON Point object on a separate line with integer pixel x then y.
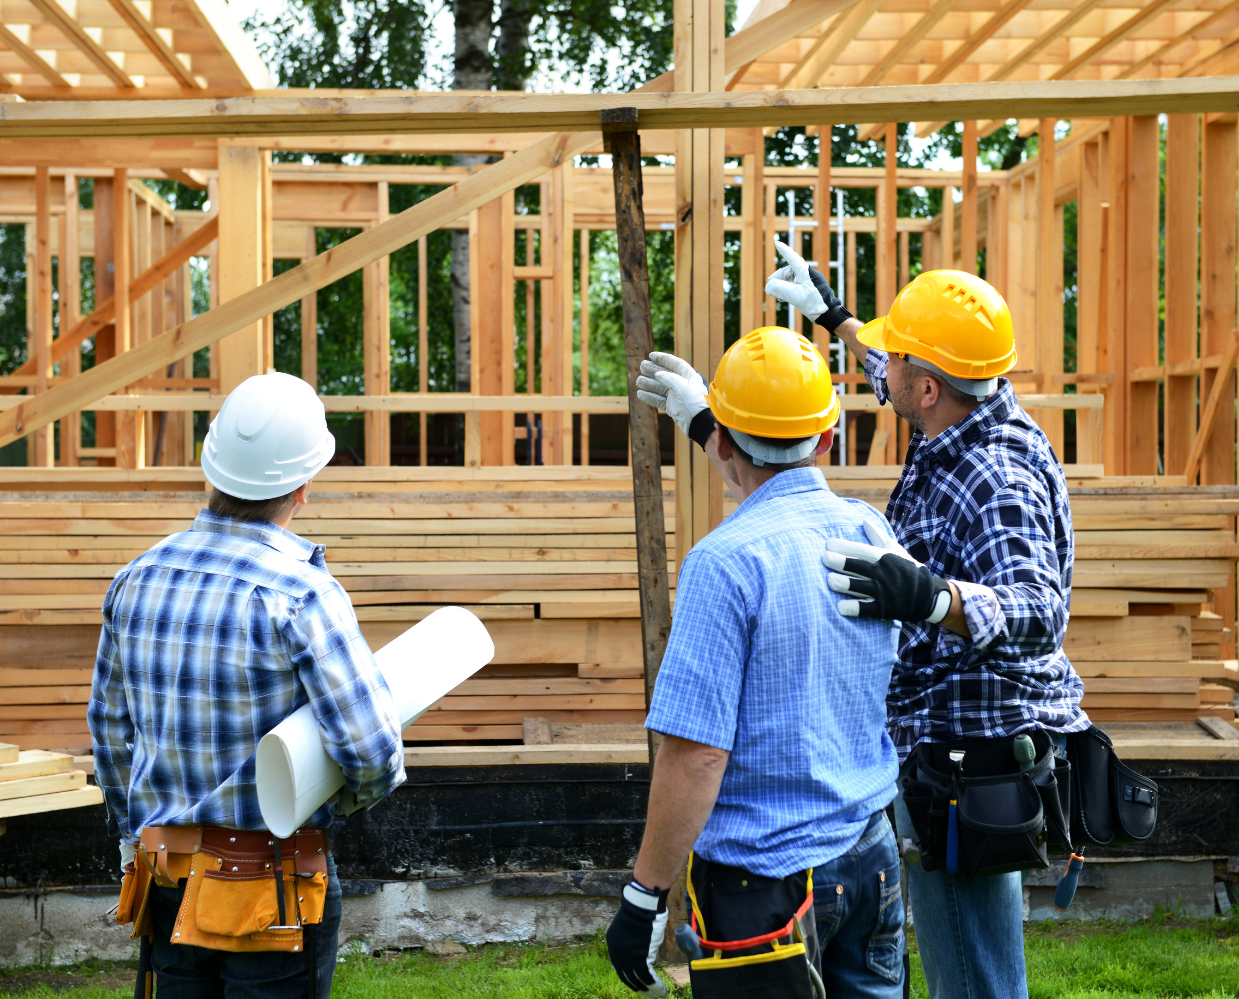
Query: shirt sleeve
{"type": "Point", "coordinates": [111, 728]}
{"type": "Point", "coordinates": [875, 373]}
{"type": "Point", "coordinates": [697, 696]}
{"type": "Point", "coordinates": [348, 695]}
{"type": "Point", "coordinates": [1013, 602]}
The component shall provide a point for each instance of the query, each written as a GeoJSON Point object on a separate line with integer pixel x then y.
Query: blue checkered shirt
{"type": "Point", "coordinates": [760, 663]}
{"type": "Point", "coordinates": [985, 504]}
{"type": "Point", "coordinates": [210, 640]}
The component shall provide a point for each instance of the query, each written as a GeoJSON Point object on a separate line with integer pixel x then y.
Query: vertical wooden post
{"type": "Point", "coordinates": [947, 245]}
{"type": "Point", "coordinates": [44, 438]}
{"type": "Point", "coordinates": [70, 311]}
{"type": "Point", "coordinates": [968, 217]}
{"type": "Point", "coordinates": [1143, 239]}
{"type": "Point", "coordinates": [377, 345]}
{"type": "Point", "coordinates": [1217, 289]}
{"type": "Point", "coordinates": [131, 425]}
{"type": "Point", "coordinates": [1116, 413]}
{"type": "Point", "coordinates": [885, 269]}
{"type": "Point", "coordinates": [584, 343]}
{"type": "Point", "coordinates": [996, 246]}
{"type": "Point", "coordinates": [647, 485]}
{"type": "Point", "coordinates": [268, 254]}
{"type": "Point", "coordinates": [487, 330]}
{"type": "Point", "coordinates": [750, 213]}
{"type": "Point", "coordinates": [762, 236]}
{"type": "Point", "coordinates": [821, 235]}
{"type": "Point", "coordinates": [309, 318]}
{"type": "Point", "coordinates": [507, 322]}
{"type": "Point", "coordinates": [423, 347]}
{"type": "Point", "coordinates": [1049, 283]}
{"type": "Point", "coordinates": [239, 256]}
{"type": "Point", "coordinates": [1182, 207]}
{"type": "Point", "coordinates": [905, 261]}
{"type": "Point", "coordinates": [850, 268]}
{"type": "Point", "coordinates": [105, 287]}
{"type": "Point", "coordinates": [1088, 308]}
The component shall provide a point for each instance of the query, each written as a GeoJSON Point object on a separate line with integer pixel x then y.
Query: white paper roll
{"type": "Point", "coordinates": [295, 775]}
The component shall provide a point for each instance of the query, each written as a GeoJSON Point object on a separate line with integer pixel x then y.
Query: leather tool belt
{"type": "Point", "coordinates": [244, 891]}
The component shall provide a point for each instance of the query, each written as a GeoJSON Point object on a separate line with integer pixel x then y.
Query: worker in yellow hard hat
{"type": "Point", "coordinates": [775, 768]}
{"type": "Point", "coordinates": [981, 581]}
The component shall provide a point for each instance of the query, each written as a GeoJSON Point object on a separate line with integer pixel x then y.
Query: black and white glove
{"type": "Point", "coordinates": [806, 290]}
{"type": "Point", "coordinates": [888, 582]}
{"type": "Point", "coordinates": [673, 386]}
{"type": "Point", "coordinates": [634, 936]}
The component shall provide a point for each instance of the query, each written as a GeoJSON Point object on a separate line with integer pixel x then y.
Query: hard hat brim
{"type": "Point", "coordinates": [872, 334]}
{"type": "Point", "coordinates": [881, 335]}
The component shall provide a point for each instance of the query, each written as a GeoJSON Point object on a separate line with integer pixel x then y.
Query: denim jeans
{"type": "Point", "coordinates": [970, 932]}
{"type": "Point", "coordinates": [859, 910]}
{"type": "Point", "coordinates": [186, 972]}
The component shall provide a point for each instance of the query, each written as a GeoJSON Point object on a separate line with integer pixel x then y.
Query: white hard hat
{"type": "Point", "coordinates": [269, 438]}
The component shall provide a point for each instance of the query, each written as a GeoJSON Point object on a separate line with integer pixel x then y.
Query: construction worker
{"type": "Point", "coordinates": [211, 639]}
{"type": "Point", "coordinates": [980, 579]}
{"type": "Point", "coordinates": [775, 766]}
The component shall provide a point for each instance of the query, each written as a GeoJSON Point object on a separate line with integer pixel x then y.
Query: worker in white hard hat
{"type": "Point", "coordinates": [775, 767]}
{"type": "Point", "coordinates": [210, 640]}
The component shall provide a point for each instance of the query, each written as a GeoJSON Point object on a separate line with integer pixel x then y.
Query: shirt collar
{"type": "Point", "coordinates": [952, 443]}
{"type": "Point", "coordinates": [262, 531]}
{"type": "Point", "coordinates": [794, 480]}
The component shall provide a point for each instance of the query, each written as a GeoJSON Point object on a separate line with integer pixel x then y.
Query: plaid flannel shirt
{"type": "Point", "coordinates": [210, 640]}
{"type": "Point", "coordinates": [984, 504]}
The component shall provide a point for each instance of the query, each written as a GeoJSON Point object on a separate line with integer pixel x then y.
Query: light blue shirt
{"type": "Point", "coordinates": [760, 663]}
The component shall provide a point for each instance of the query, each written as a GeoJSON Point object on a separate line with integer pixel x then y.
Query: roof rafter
{"type": "Point", "coordinates": [154, 41]}
{"type": "Point", "coordinates": [829, 47]}
{"type": "Point", "coordinates": [1200, 58]}
{"type": "Point", "coordinates": [1112, 38]}
{"type": "Point", "coordinates": [909, 39]}
{"type": "Point", "coordinates": [1051, 34]}
{"type": "Point", "coordinates": [75, 33]}
{"type": "Point", "coordinates": [31, 57]}
{"type": "Point", "coordinates": [1178, 40]}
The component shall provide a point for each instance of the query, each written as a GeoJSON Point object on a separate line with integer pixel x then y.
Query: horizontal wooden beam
{"type": "Point", "coordinates": [448, 112]}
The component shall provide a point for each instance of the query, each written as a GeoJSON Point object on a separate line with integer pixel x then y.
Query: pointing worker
{"type": "Point", "coordinates": [982, 582]}
{"type": "Point", "coordinates": [210, 640]}
{"type": "Point", "coordinates": [775, 767]}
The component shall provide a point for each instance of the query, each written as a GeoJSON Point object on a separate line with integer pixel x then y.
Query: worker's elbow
{"type": "Point", "coordinates": [697, 757]}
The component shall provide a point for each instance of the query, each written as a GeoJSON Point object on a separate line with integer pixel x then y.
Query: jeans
{"type": "Point", "coordinates": [970, 932]}
{"type": "Point", "coordinates": [859, 910]}
{"type": "Point", "coordinates": [187, 972]}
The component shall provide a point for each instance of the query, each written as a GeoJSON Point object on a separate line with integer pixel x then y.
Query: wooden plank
{"type": "Point", "coordinates": [1049, 277]}
{"type": "Point", "coordinates": [547, 641]}
{"type": "Point", "coordinates": [79, 798]}
{"type": "Point", "coordinates": [535, 704]}
{"type": "Point", "coordinates": [45, 695]}
{"type": "Point", "coordinates": [1154, 573]}
{"type": "Point", "coordinates": [8, 753]}
{"type": "Point", "coordinates": [40, 678]}
{"type": "Point", "coordinates": [438, 717]}
{"type": "Point", "coordinates": [1142, 685]}
{"type": "Point", "coordinates": [1198, 668]}
{"type": "Point", "coordinates": [609, 669]}
{"type": "Point", "coordinates": [27, 787]}
{"type": "Point", "coordinates": [1143, 249]}
{"type": "Point", "coordinates": [483, 756]}
{"type": "Point", "coordinates": [1132, 638]}
{"type": "Point", "coordinates": [1175, 701]}
{"type": "Point", "coordinates": [1187, 715]}
{"type": "Point", "coordinates": [1181, 294]}
{"type": "Point", "coordinates": [968, 216]}
{"type": "Point", "coordinates": [1219, 729]}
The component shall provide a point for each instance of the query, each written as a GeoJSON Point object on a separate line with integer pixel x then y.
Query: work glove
{"type": "Point", "coordinates": [671, 385]}
{"type": "Point", "coordinates": [127, 853]}
{"type": "Point", "coordinates": [806, 290]}
{"type": "Point", "coordinates": [634, 936]}
{"type": "Point", "coordinates": [888, 582]}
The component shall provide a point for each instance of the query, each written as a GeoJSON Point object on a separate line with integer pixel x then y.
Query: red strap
{"type": "Point", "coordinates": [753, 941]}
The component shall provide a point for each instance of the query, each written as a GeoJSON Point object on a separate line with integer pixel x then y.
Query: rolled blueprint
{"type": "Point", "coordinates": [295, 774]}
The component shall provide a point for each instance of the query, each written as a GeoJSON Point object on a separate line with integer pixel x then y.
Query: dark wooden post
{"type": "Point", "coordinates": [619, 129]}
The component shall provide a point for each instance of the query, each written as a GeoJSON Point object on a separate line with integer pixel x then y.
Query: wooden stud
{"type": "Point", "coordinates": [377, 344]}
{"type": "Point", "coordinates": [968, 216]}
{"type": "Point", "coordinates": [1116, 148]}
{"type": "Point", "coordinates": [423, 347]}
{"type": "Point", "coordinates": [564, 264]}
{"type": "Point", "coordinates": [309, 318]}
{"type": "Point", "coordinates": [1088, 301]}
{"type": "Point", "coordinates": [905, 262]}
{"type": "Point", "coordinates": [1182, 208]}
{"type": "Point", "coordinates": [239, 256]}
{"type": "Point", "coordinates": [130, 427]}
{"type": "Point", "coordinates": [1049, 281]}
{"type": "Point", "coordinates": [996, 245]}
{"type": "Point", "coordinates": [821, 215]}
{"type": "Point", "coordinates": [486, 281]}
{"type": "Point", "coordinates": [888, 210]}
{"type": "Point", "coordinates": [507, 320]}
{"type": "Point", "coordinates": [1217, 285]}
{"type": "Point", "coordinates": [44, 441]}
{"type": "Point", "coordinates": [850, 268]}
{"type": "Point", "coordinates": [268, 256]}
{"type": "Point", "coordinates": [70, 274]}
{"type": "Point", "coordinates": [750, 212]}
{"type": "Point", "coordinates": [947, 246]}
{"type": "Point", "coordinates": [584, 283]}
{"type": "Point", "coordinates": [1142, 286]}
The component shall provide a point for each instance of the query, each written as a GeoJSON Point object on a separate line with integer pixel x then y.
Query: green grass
{"type": "Point", "coordinates": [1163, 956]}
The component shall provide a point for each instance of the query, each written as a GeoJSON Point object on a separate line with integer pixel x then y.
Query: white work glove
{"type": "Point", "coordinates": [127, 853]}
{"type": "Point", "coordinates": [671, 385]}
{"type": "Point", "coordinates": [889, 583]}
{"type": "Point", "coordinates": [806, 290]}
{"type": "Point", "coordinates": [634, 936]}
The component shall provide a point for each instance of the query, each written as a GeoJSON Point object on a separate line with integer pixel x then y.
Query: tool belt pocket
{"type": "Point", "coordinates": [1005, 819]}
{"type": "Point", "coordinates": [1111, 804]}
{"type": "Point", "coordinates": [244, 905]}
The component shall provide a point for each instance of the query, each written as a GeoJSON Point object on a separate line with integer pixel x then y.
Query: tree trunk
{"type": "Point", "coordinates": [473, 71]}
{"type": "Point", "coordinates": [512, 46]}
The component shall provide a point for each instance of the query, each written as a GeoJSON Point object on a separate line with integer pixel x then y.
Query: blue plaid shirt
{"type": "Point", "coordinates": [210, 640]}
{"type": "Point", "coordinates": [759, 663]}
{"type": "Point", "coordinates": [985, 504]}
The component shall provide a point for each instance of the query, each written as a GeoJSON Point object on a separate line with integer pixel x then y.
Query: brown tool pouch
{"type": "Point", "coordinates": [232, 880]}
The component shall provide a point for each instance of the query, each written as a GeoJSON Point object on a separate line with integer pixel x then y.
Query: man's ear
{"type": "Point", "coordinates": [931, 391]}
{"type": "Point", "coordinates": [722, 444]}
{"type": "Point", "coordinates": [827, 441]}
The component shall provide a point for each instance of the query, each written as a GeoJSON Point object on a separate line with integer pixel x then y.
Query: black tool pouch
{"type": "Point", "coordinates": [1005, 819]}
{"type": "Point", "coordinates": [1111, 804]}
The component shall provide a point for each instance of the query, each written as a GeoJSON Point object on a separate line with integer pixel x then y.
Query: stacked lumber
{"type": "Point", "coordinates": [34, 781]}
{"type": "Point", "coordinates": [546, 556]}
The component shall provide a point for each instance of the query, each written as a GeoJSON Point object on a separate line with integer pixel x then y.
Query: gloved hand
{"type": "Point", "coordinates": [889, 582]}
{"type": "Point", "coordinates": [806, 289]}
{"type": "Point", "coordinates": [634, 936]}
{"type": "Point", "coordinates": [671, 385]}
{"type": "Point", "coordinates": [127, 853]}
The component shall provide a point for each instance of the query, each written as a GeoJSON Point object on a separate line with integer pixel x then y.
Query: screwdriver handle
{"type": "Point", "coordinates": [1066, 890]}
{"type": "Point", "coordinates": [1025, 752]}
{"type": "Point", "coordinates": [952, 839]}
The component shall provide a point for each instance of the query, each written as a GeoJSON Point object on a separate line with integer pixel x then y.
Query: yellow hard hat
{"type": "Point", "coordinates": [951, 319]}
{"type": "Point", "coordinates": [773, 383]}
